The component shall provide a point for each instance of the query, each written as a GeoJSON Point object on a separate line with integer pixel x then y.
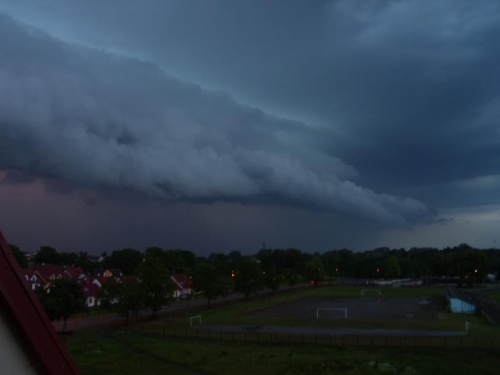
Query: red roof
{"type": "Point", "coordinates": [182, 280]}
{"type": "Point", "coordinates": [49, 271]}
{"type": "Point", "coordinates": [29, 320]}
{"type": "Point", "coordinates": [74, 272]}
{"type": "Point", "coordinates": [102, 280]}
{"type": "Point", "coordinates": [128, 278]}
{"type": "Point", "coordinates": [89, 289]}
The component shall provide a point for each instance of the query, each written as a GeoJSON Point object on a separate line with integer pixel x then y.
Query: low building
{"type": "Point", "coordinates": [182, 283]}
{"type": "Point", "coordinates": [91, 293]}
{"type": "Point", "coordinates": [458, 302]}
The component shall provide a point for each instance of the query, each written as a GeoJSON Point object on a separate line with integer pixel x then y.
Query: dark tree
{"type": "Point", "coordinates": [156, 283]}
{"type": "Point", "coordinates": [180, 261]}
{"type": "Point", "coordinates": [156, 252]}
{"type": "Point", "coordinates": [210, 281]}
{"type": "Point", "coordinates": [63, 299]}
{"type": "Point", "coordinates": [247, 277]}
{"type": "Point", "coordinates": [20, 257]}
{"type": "Point", "coordinates": [217, 257]}
{"type": "Point", "coordinates": [46, 255]}
{"type": "Point", "coordinates": [392, 268]}
{"type": "Point", "coordinates": [271, 278]}
{"type": "Point", "coordinates": [84, 262]}
{"type": "Point", "coordinates": [68, 259]}
{"type": "Point", "coordinates": [127, 260]}
{"type": "Point", "coordinates": [314, 270]}
{"type": "Point", "coordinates": [108, 295]}
{"type": "Point", "coordinates": [129, 298]}
{"type": "Point", "coordinates": [290, 277]}
{"type": "Point", "coordinates": [233, 255]}
{"type": "Point", "coordinates": [338, 263]}
{"type": "Point", "coordinates": [125, 296]}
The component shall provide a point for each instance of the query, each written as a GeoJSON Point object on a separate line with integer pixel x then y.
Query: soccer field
{"type": "Point", "coordinates": [357, 308]}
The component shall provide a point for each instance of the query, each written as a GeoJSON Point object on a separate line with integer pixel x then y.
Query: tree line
{"type": "Point", "coordinates": [460, 262]}
{"type": "Point", "coordinates": [219, 274]}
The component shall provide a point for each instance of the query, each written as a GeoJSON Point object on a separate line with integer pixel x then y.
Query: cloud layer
{"type": "Point", "coordinates": [95, 119]}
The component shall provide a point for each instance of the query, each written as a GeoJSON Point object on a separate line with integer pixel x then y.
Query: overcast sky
{"type": "Point", "coordinates": [220, 125]}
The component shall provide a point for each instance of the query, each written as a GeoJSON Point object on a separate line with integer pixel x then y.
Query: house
{"type": "Point", "coordinates": [28, 341]}
{"type": "Point", "coordinates": [47, 273]}
{"type": "Point", "coordinates": [182, 283]}
{"type": "Point", "coordinates": [74, 273]}
{"type": "Point", "coordinates": [109, 272]}
{"type": "Point", "coordinates": [91, 289]}
{"type": "Point", "coordinates": [31, 279]}
{"type": "Point", "coordinates": [91, 292]}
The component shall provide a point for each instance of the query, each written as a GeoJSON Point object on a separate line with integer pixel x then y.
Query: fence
{"type": "Point", "coordinates": [408, 342]}
{"type": "Point", "coordinates": [169, 314]}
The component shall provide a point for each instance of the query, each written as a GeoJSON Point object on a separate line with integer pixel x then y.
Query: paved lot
{"type": "Point", "coordinates": [359, 308]}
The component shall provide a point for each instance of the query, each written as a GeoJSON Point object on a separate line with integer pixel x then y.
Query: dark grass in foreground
{"type": "Point", "coordinates": [495, 297]}
{"type": "Point", "coordinates": [108, 352]}
{"type": "Point", "coordinates": [133, 352]}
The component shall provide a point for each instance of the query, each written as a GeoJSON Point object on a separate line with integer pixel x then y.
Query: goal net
{"type": "Point", "coordinates": [193, 320]}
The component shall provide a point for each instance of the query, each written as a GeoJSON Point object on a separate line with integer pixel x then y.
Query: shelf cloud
{"type": "Point", "coordinates": [75, 115]}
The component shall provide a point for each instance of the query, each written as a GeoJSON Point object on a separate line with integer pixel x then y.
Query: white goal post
{"type": "Point", "coordinates": [331, 308]}
{"type": "Point", "coordinates": [370, 291]}
{"type": "Point", "coordinates": [467, 326]}
{"type": "Point", "coordinates": [193, 318]}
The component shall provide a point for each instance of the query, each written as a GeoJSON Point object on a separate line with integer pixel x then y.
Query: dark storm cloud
{"type": "Point", "coordinates": [429, 77]}
{"type": "Point", "coordinates": [409, 87]}
{"type": "Point", "coordinates": [395, 96]}
{"type": "Point", "coordinates": [96, 119]}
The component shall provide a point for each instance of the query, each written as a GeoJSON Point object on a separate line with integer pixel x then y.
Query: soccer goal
{"type": "Point", "coordinates": [344, 310]}
{"type": "Point", "coordinates": [467, 326]}
{"type": "Point", "coordinates": [193, 319]}
{"type": "Point", "coordinates": [368, 291]}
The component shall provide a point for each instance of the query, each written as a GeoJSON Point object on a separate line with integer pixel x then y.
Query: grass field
{"type": "Point", "coordinates": [495, 297]}
{"type": "Point", "coordinates": [132, 352]}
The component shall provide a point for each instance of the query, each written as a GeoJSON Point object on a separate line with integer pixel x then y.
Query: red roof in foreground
{"type": "Point", "coordinates": [27, 317]}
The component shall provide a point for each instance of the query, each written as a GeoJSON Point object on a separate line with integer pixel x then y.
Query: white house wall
{"type": "Point", "coordinates": [13, 358]}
